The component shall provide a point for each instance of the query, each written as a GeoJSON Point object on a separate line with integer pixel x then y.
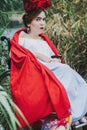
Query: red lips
{"type": "Point", "coordinates": [41, 27]}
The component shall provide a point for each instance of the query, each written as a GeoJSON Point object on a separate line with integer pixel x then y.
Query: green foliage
{"type": "Point", "coordinates": [4, 56]}
{"type": "Point", "coordinates": [7, 8]}
{"type": "Point", "coordinates": [6, 111]}
{"type": "Point", "coordinates": [11, 5]}
{"type": "Point", "coordinates": [67, 26]}
{"type": "Point", "coordinates": [8, 120]}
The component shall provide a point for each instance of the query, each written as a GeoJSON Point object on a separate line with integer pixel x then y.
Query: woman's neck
{"type": "Point", "coordinates": [34, 36]}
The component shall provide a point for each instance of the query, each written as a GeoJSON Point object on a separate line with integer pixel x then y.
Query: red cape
{"type": "Point", "coordinates": [35, 89]}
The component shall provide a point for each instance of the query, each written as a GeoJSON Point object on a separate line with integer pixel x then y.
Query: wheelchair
{"type": "Point", "coordinates": [4, 81]}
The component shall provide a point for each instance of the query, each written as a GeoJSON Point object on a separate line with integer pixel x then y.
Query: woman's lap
{"type": "Point", "coordinates": [75, 86]}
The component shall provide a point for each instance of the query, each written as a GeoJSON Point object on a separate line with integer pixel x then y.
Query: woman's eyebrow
{"type": "Point", "coordinates": [41, 17]}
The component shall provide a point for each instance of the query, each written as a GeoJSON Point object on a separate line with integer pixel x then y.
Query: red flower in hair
{"type": "Point", "coordinates": [36, 4]}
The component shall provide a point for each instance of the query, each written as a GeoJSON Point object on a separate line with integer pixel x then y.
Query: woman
{"type": "Point", "coordinates": [69, 80]}
{"type": "Point", "coordinates": [72, 81]}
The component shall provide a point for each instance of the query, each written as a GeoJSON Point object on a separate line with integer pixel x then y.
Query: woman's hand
{"type": "Point", "coordinates": [42, 57]}
{"type": "Point", "coordinates": [55, 60]}
{"type": "Point", "coordinates": [46, 59]}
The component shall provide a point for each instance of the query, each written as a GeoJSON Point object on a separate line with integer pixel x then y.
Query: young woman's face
{"type": "Point", "coordinates": [37, 25]}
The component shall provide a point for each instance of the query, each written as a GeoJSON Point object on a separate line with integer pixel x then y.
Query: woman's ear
{"type": "Point", "coordinates": [28, 25]}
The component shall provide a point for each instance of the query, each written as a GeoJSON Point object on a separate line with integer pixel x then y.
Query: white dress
{"type": "Point", "coordinates": [74, 84]}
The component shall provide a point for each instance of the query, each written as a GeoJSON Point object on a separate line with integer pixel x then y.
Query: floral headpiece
{"type": "Point", "coordinates": [36, 4]}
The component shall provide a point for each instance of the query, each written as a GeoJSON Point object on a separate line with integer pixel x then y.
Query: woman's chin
{"type": "Point", "coordinates": [42, 31]}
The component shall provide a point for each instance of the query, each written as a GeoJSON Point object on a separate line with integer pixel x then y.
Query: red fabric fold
{"type": "Point", "coordinates": [35, 89]}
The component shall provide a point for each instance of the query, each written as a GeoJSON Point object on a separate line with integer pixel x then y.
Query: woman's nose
{"type": "Point", "coordinates": [43, 22]}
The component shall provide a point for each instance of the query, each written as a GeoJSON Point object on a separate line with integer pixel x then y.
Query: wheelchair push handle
{"type": "Point", "coordinates": [3, 38]}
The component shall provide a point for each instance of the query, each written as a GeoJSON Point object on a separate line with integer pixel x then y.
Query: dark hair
{"type": "Point", "coordinates": [28, 17]}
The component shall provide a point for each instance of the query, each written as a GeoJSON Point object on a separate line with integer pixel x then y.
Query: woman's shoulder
{"type": "Point", "coordinates": [22, 34]}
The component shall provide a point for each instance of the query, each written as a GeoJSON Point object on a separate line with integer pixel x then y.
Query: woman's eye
{"type": "Point", "coordinates": [38, 19]}
{"type": "Point", "coordinates": [44, 19]}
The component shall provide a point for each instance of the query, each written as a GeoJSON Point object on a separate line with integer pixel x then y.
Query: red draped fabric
{"type": "Point", "coordinates": [35, 89]}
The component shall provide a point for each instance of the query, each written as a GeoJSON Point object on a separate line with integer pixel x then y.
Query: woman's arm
{"type": "Point", "coordinates": [46, 59]}
{"type": "Point", "coordinates": [42, 57]}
